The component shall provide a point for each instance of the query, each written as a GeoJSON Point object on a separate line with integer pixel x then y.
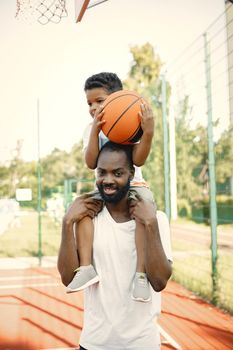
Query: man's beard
{"type": "Point", "coordinates": [117, 196]}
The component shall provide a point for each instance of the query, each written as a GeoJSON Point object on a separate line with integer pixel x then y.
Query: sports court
{"type": "Point", "coordinates": [36, 313]}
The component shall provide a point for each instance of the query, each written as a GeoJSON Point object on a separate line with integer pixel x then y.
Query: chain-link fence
{"type": "Point", "coordinates": [200, 116]}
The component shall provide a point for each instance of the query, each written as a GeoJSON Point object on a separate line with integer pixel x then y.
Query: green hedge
{"type": "Point", "coordinates": [201, 212]}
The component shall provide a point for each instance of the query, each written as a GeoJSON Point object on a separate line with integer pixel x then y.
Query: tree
{"type": "Point", "coordinates": [191, 153]}
{"type": "Point", "coordinates": [144, 77]}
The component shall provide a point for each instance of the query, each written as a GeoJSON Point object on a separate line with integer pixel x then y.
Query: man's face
{"type": "Point", "coordinates": [95, 98]}
{"type": "Point", "coordinates": [113, 176]}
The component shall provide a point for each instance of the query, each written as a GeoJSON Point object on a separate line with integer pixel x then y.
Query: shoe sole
{"type": "Point", "coordinates": [141, 299]}
{"type": "Point", "coordinates": [89, 283]}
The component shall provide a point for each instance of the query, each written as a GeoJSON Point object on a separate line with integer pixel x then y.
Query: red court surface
{"type": "Point", "coordinates": [36, 313]}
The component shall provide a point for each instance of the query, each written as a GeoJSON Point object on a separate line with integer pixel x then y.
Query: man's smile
{"type": "Point", "coordinates": [109, 190]}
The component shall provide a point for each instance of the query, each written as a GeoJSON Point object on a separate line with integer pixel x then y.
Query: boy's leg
{"type": "Point", "coordinates": [140, 248]}
{"type": "Point", "coordinates": [85, 273]}
{"type": "Point", "coordinates": [141, 288]}
{"type": "Point", "coordinates": [84, 240]}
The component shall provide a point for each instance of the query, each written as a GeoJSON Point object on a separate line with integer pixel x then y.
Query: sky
{"type": "Point", "coordinates": [46, 66]}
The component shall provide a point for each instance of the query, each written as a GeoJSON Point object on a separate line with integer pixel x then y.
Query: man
{"type": "Point", "coordinates": [112, 319]}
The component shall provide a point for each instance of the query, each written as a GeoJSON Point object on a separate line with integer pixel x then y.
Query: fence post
{"type": "Point", "coordinates": [172, 153]}
{"type": "Point", "coordinates": [165, 148]}
{"type": "Point", "coordinates": [211, 169]}
{"type": "Point", "coordinates": [39, 186]}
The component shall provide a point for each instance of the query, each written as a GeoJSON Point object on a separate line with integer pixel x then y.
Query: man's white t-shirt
{"type": "Point", "coordinates": [112, 319]}
{"type": "Point", "coordinates": [138, 178]}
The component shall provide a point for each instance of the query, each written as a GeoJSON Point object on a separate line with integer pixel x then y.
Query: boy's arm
{"type": "Point", "coordinates": [92, 149]}
{"type": "Point", "coordinates": [141, 150]}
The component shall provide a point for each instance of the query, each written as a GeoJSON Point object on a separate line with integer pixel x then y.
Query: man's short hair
{"type": "Point", "coordinates": [116, 147]}
{"type": "Point", "coordinates": [108, 81]}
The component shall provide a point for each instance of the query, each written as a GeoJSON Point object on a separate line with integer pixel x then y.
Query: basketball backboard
{"type": "Point", "coordinates": [82, 5]}
{"type": "Point", "coordinates": [80, 8]}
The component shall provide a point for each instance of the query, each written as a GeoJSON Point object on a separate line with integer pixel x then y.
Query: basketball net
{"type": "Point", "coordinates": [44, 11]}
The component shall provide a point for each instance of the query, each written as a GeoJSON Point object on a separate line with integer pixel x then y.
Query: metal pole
{"type": "Point", "coordinates": [172, 149]}
{"type": "Point", "coordinates": [39, 186]}
{"type": "Point", "coordinates": [165, 148]}
{"type": "Point", "coordinates": [65, 195]}
{"type": "Point", "coordinates": [211, 167]}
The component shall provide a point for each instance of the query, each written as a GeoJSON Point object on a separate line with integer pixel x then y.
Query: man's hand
{"type": "Point", "coordinates": [82, 206]}
{"type": "Point", "coordinates": [142, 211]}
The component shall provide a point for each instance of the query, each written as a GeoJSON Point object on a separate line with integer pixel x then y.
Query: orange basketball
{"type": "Point", "coordinates": [121, 115]}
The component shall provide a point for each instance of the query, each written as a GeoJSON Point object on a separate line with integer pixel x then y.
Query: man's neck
{"type": "Point", "coordinates": [119, 211]}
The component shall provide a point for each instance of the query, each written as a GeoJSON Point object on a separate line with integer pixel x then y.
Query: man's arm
{"type": "Point", "coordinates": [67, 256]}
{"type": "Point", "coordinates": [158, 267]}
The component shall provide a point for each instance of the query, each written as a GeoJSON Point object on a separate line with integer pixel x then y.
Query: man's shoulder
{"type": "Point", "coordinates": [162, 218]}
{"type": "Point", "coordinates": [161, 214]}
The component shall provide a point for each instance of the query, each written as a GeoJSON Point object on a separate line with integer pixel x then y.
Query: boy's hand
{"type": "Point", "coordinates": [147, 119]}
{"type": "Point", "coordinates": [82, 206]}
{"type": "Point", "coordinates": [98, 121]}
{"type": "Point", "coordinates": [142, 211]}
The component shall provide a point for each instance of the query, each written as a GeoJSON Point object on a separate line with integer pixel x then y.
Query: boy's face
{"type": "Point", "coordinates": [95, 98]}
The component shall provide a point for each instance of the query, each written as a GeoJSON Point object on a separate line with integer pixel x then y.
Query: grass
{"type": "Point", "coordinates": [226, 229]}
{"type": "Point", "coordinates": [23, 240]}
{"type": "Point", "coordinates": [192, 265]}
{"type": "Point", "coordinates": [192, 268]}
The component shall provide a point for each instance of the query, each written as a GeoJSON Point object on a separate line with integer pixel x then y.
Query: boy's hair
{"type": "Point", "coordinates": [116, 147]}
{"type": "Point", "coordinates": [108, 81]}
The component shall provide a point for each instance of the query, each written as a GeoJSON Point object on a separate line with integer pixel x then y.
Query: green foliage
{"type": "Point", "coordinates": [144, 77]}
{"type": "Point", "coordinates": [224, 156]}
{"type": "Point", "coordinates": [145, 69]}
{"type": "Point", "coordinates": [184, 208]}
{"type": "Point", "coordinates": [191, 155]}
{"type": "Point", "coordinates": [201, 210]}
{"type": "Point", "coordinates": [18, 174]}
{"type": "Point", "coordinates": [55, 168]}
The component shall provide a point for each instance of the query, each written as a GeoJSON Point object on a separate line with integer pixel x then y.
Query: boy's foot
{"type": "Point", "coordinates": [84, 277]}
{"type": "Point", "coordinates": [141, 288]}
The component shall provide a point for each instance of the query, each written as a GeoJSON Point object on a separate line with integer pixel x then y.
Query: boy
{"type": "Point", "coordinates": [97, 89]}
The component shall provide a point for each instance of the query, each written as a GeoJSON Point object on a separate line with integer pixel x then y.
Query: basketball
{"type": "Point", "coordinates": [122, 122]}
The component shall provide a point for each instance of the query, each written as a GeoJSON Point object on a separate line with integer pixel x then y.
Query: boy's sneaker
{"type": "Point", "coordinates": [141, 288]}
{"type": "Point", "coordinates": [84, 277]}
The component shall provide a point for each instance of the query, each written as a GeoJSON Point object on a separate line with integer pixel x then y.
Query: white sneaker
{"type": "Point", "coordinates": [84, 277]}
{"type": "Point", "coordinates": [141, 288]}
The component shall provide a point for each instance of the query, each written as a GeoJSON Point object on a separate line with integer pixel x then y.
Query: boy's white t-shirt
{"type": "Point", "coordinates": [112, 319]}
{"type": "Point", "coordinates": [138, 179]}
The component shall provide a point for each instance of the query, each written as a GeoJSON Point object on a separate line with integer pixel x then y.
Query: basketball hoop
{"type": "Point", "coordinates": [44, 11]}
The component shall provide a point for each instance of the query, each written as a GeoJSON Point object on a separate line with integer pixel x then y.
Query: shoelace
{"type": "Point", "coordinates": [142, 281]}
{"type": "Point", "coordinates": [78, 272]}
